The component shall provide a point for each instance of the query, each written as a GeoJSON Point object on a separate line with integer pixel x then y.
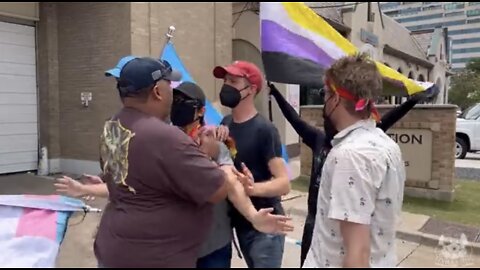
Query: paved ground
{"type": "Point", "coordinates": [472, 160]}
{"type": "Point", "coordinates": [468, 168]}
{"type": "Point", "coordinates": [77, 248]}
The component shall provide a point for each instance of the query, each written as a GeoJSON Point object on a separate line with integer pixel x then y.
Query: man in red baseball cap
{"type": "Point", "coordinates": [258, 148]}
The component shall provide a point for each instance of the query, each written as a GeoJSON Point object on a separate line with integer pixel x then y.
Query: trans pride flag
{"type": "Point", "coordinates": [212, 116]}
{"type": "Point", "coordinates": [33, 227]}
{"type": "Point", "coordinates": [298, 46]}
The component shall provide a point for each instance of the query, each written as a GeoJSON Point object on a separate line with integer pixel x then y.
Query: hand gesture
{"type": "Point", "coordinates": [208, 143]}
{"type": "Point", "coordinates": [427, 95]}
{"type": "Point", "coordinates": [246, 178]}
{"type": "Point", "coordinates": [272, 87]}
{"type": "Point", "coordinates": [222, 133]}
{"type": "Point", "coordinates": [266, 222]}
{"type": "Point", "coordinates": [69, 187]}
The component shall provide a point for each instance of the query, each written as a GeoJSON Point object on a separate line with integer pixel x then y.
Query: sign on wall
{"type": "Point", "coordinates": [416, 146]}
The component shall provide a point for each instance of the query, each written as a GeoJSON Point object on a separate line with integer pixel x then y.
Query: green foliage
{"type": "Point", "coordinates": [465, 85]}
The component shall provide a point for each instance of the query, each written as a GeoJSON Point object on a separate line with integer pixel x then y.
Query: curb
{"type": "Point", "coordinates": [426, 239]}
{"type": "Point", "coordinates": [467, 173]}
{"type": "Point", "coordinates": [431, 240]}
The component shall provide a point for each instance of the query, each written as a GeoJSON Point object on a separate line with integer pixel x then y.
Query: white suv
{"type": "Point", "coordinates": [468, 131]}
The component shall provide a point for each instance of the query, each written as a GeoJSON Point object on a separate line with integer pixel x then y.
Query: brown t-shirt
{"type": "Point", "coordinates": [159, 184]}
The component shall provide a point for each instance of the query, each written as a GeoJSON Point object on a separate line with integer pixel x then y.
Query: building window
{"type": "Point", "coordinates": [473, 12]}
{"type": "Point", "coordinates": [432, 8]}
{"type": "Point", "coordinates": [453, 14]}
{"type": "Point", "coordinates": [392, 13]}
{"type": "Point", "coordinates": [420, 18]}
{"type": "Point", "coordinates": [410, 75]}
{"type": "Point", "coordinates": [473, 3]}
{"type": "Point", "coordinates": [453, 6]}
{"type": "Point", "coordinates": [464, 31]}
{"type": "Point", "coordinates": [311, 96]}
{"type": "Point", "coordinates": [421, 78]}
{"type": "Point", "coordinates": [466, 40]}
{"type": "Point", "coordinates": [390, 5]}
{"type": "Point", "coordinates": [473, 21]}
{"type": "Point", "coordinates": [462, 60]}
{"type": "Point", "coordinates": [462, 22]}
{"type": "Point", "coordinates": [467, 50]}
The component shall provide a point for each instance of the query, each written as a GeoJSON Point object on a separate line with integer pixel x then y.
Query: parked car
{"type": "Point", "coordinates": [468, 131]}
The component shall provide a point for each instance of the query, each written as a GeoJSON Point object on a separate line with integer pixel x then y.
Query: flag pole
{"type": "Point", "coordinates": [168, 37]}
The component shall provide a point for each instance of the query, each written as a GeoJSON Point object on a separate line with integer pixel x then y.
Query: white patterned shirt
{"type": "Point", "coordinates": [362, 182]}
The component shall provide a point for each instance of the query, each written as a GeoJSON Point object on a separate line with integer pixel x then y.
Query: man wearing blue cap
{"type": "Point", "coordinates": [262, 220]}
{"type": "Point", "coordinates": [149, 167]}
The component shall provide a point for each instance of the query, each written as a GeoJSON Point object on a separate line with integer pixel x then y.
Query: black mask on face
{"type": "Point", "coordinates": [230, 96]}
{"type": "Point", "coordinates": [330, 130]}
{"type": "Point", "coordinates": [183, 114]}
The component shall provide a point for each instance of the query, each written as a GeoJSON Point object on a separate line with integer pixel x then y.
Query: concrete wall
{"type": "Point", "coordinates": [437, 120]}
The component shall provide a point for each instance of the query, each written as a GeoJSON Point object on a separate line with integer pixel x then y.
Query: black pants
{"type": "Point", "coordinates": [307, 237]}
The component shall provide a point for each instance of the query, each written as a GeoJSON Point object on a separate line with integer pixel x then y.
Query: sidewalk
{"type": "Point", "coordinates": [409, 253]}
{"type": "Point", "coordinates": [468, 168]}
{"type": "Point", "coordinates": [414, 247]}
{"type": "Point", "coordinates": [414, 228]}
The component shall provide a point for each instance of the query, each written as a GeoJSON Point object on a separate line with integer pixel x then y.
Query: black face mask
{"type": "Point", "coordinates": [329, 127]}
{"type": "Point", "coordinates": [230, 96]}
{"type": "Point", "coordinates": [183, 114]}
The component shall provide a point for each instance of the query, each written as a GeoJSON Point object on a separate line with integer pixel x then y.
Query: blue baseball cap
{"type": "Point", "coordinates": [140, 73]}
{"type": "Point", "coordinates": [115, 72]}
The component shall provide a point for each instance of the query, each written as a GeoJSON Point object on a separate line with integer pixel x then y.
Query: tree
{"type": "Point", "coordinates": [465, 86]}
{"type": "Point", "coordinates": [474, 65]}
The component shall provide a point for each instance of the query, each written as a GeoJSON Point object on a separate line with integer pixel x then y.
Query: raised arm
{"type": "Point", "coordinates": [308, 133]}
{"type": "Point", "coordinates": [395, 114]}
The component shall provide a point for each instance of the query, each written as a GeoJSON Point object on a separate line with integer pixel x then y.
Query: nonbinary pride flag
{"type": "Point", "coordinates": [298, 46]}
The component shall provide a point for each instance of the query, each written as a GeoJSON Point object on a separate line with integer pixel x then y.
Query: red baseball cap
{"type": "Point", "coordinates": [241, 69]}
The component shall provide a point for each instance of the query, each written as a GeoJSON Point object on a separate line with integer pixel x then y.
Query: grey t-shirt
{"type": "Point", "coordinates": [221, 232]}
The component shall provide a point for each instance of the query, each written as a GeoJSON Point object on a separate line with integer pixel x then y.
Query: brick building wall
{"type": "Point", "coordinates": [440, 120]}
{"type": "Point", "coordinates": [78, 42]}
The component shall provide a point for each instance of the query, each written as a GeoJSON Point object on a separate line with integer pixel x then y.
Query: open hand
{"type": "Point", "coordinates": [69, 187]}
{"type": "Point", "coordinates": [266, 222]}
{"type": "Point", "coordinates": [246, 178]}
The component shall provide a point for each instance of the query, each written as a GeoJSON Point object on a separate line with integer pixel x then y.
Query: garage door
{"type": "Point", "coordinates": [18, 99]}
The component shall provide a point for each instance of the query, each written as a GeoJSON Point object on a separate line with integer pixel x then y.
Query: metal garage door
{"type": "Point", "coordinates": [18, 99]}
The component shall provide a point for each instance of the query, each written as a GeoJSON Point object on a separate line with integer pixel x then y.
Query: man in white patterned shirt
{"type": "Point", "coordinates": [361, 189]}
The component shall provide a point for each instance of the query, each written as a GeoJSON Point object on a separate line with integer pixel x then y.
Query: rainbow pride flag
{"type": "Point", "coordinates": [298, 46]}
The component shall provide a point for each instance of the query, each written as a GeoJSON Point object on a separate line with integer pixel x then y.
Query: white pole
{"type": "Point", "coordinates": [168, 37]}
